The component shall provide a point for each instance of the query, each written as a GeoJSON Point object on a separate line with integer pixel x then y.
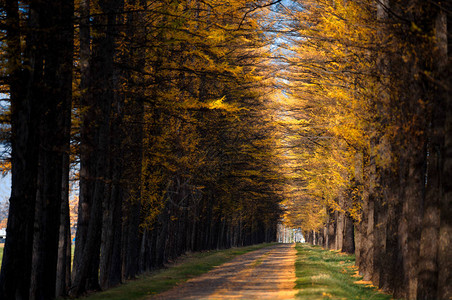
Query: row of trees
{"type": "Point", "coordinates": [161, 106]}
{"type": "Point", "coordinates": [370, 125]}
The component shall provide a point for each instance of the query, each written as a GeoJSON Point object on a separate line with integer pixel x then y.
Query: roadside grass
{"type": "Point", "coordinates": [325, 274]}
{"type": "Point", "coordinates": [2, 245]}
{"type": "Point", "coordinates": [188, 266]}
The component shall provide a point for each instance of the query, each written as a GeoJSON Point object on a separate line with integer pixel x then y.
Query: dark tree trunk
{"type": "Point", "coordinates": [132, 235]}
{"type": "Point", "coordinates": [331, 230]}
{"type": "Point", "coordinates": [17, 256]}
{"type": "Point", "coordinates": [445, 232]}
{"type": "Point", "coordinates": [103, 172]}
{"type": "Point", "coordinates": [359, 243]}
{"type": "Point", "coordinates": [411, 220]}
{"type": "Point", "coordinates": [360, 226]}
{"type": "Point", "coordinates": [435, 21]}
{"type": "Point", "coordinates": [111, 145]}
{"type": "Point", "coordinates": [87, 155]}
{"type": "Point", "coordinates": [368, 236]}
{"type": "Point", "coordinates": [65, 243]}
{"type": "Point", "coordinates": [63, 281]}
{"type": "Point", "coordinates": [110, 263]}
{"type": "Point", "coordinates": [55, 109]}
{"type": "Point", "coordinates": [379, 245]}
{"type": "Point", "coordinates": [390, 277]}
{"type": "Point", "coordinates": [86, 275]}
{"type": "Point", "coordinates": [427, 265]}
{"type": "Point", "coordinates": [96, 166]}
{"type": "Point", "coordinates": [134, 110]}
{"type": "Point", "coordinates": [349, 235]}
{"type": "Point", "coordinates": [38, 149]}
{"type": "Point", "coordinates": [370, 240]}
{"type": "Point", "coordinates": [340, 226]}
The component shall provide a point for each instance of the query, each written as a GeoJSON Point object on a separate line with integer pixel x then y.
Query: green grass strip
{"type": "Point", "coordinates": [325, 274]}
{"type": "Point", "coordinates": [189, 266]}
{"type": "Point", "coordinates": [2, 247]}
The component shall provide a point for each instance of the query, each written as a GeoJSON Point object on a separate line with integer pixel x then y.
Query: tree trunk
{"type": "Point", "coordinates": [63, 281]}
{"type": "Point", "coordinates": [17, 256]}
{"type": "Point", "coordinates": [331, 230]}
{"type": "Point", "coordinates": [349, 235]}
{"type": "Point", "coordinates": [379, 245]}
{"type": "Point", "coordinates": [110, 157]}
{"type": "Point", "coordinates": [359, 244]}
{"type": "Point", "coordinates": [340, 229]}
{"type": "Point", "coordinates": [368, 246]}
{"type": "Point", "coordinates": [56, 113]}
{"type": "Point", "coordinates": [427, 266]}
{"type": "Point", "coordinates": [134, 120]}
{"type": "Point", "coordinates": [411, 221]}
{"type": "Point", "coordinates": [47, 92]}
{"type": "Point", "coordinates": [87, 156]}
{"type": "Point", "coordinates": [390, 276]}
{"type": "Point", "coordinates": [445, 232]}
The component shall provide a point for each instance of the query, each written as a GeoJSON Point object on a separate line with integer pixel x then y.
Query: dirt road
{"type": "Point", "coordinates": [267, 273]}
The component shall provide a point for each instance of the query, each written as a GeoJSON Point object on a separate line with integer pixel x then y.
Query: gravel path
{"type": "Point", "coordinates": [267, 273]}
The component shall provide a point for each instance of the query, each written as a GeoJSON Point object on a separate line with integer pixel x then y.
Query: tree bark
{"type": "Point", "coordinates": [134, 120]}
{"type": "Point", "coordinates": [111, 138]}
{"type": "Point", "coordinates": [339, 215]}
{"type": "Point", "coordinates": [390, 277]}
{"type": "Point", "coordinates": [97, 147]}
{"type": "Point", "coordinates": [379, 245]}
{"type": "Point", "coordinates": [87, 156]}
{"type": "Point", "coordinates": [57, 23]}
{"type": "Point", "coordinates": [331, 230]}
{"type": "Point", "coordinates": [445, 232]}
{"type": "Point", "coordinates": [63, 281]}
{"type": "Point", "coordinates": [411, 221]}
{"type": "Point", "coordinates": [17, 256]}
{"type": "Point", "coordinates": [349, 235]}
{"type": "Point", "coordinates": [368, 245]}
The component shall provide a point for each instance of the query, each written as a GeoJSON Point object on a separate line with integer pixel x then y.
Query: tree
{"type": "Point", "coordinates": [45, 69]}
